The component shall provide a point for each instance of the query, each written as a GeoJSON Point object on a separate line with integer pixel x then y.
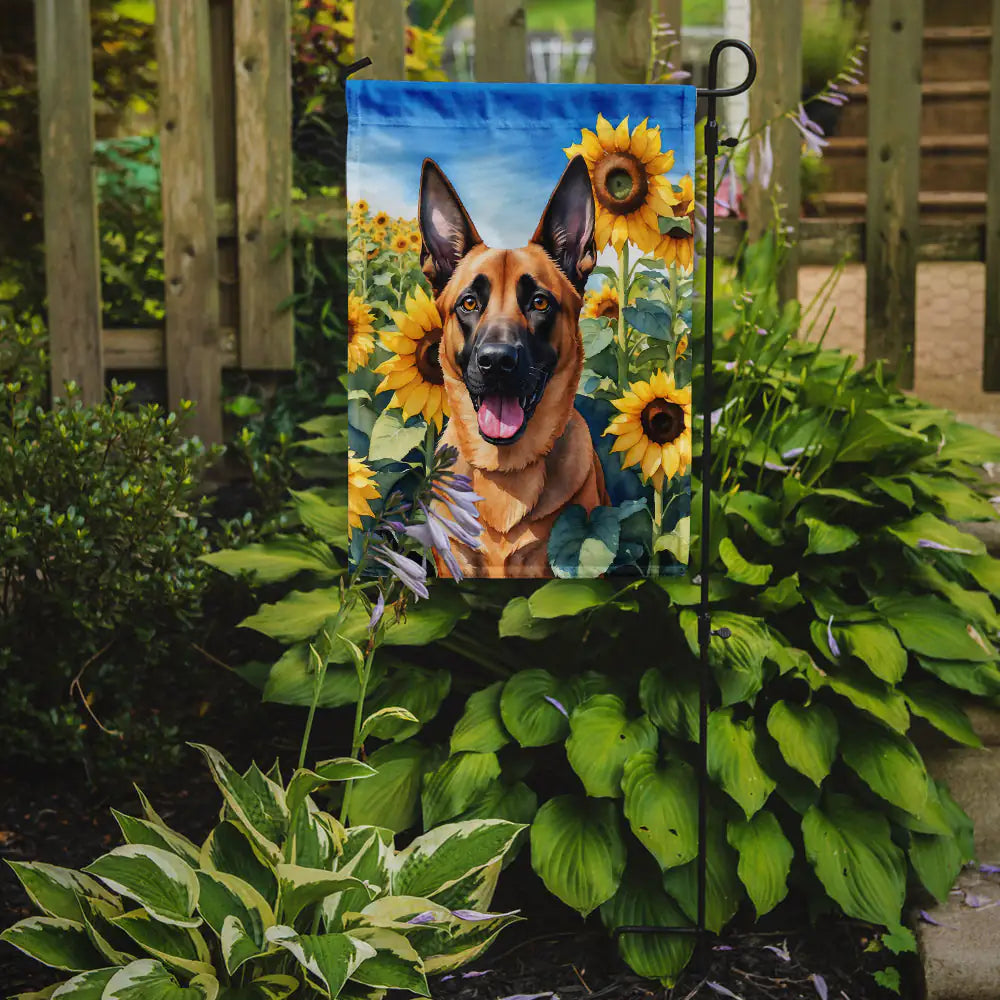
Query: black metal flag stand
{"type": "Point", "coordinates": [705, 631]}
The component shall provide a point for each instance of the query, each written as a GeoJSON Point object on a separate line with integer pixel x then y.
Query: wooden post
{"type": "Point", "coordinates": [72, 256]}
{"type": "Point", "coordinates": [991, 345]}
{"type": "Point", "coordinates": [621, 41]}
{"type": "Point", "coordinates": [380, 34]}
{"type": "Point", "coordinates": [264, 182]}
{"type": "Point", "coordinates": [896, 30]}
{"type": "Point", "coordinates": [190, 252]}
{"type": "Point", "coordinates": [776, 33]}
{"type": "Point", "coordinates": [501, 41]}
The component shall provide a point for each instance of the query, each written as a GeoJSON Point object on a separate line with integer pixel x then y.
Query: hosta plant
{"type": "Point", "coordinates": [279, 899]}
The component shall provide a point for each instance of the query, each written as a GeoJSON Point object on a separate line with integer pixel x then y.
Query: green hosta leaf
{"type": "Point", "coordinates": [86, 986]}
{"type": "Point", "coordinates": [55, 942]}
{"type": "Point", "coordinates": [739, 570]}
{"type": "Point", "coordinates": [301, 887]}
{"type": "Point", "coordinates": [869, 434]}
{"type": "Point", "coordinates": [641, 900]}
{"type": "Point", "coordinates": [761, 513]}
{"type": "Point", "coordinates": [985, 570]}
{"type": "Point", "coordinates": [328, 960]}
{"type": "Point", "coordinates": [304, 782]}
{"type": "Point", "coordinates": [257, 802]}
{"type": "Point", "coordinates": [868, 694]}
{"type": "Point", "coordinates": [391, 439]}
{"type": "Point", "coordinates": [937, 860]}
{"type": "Point", "coordinates": [765, 859]}
{"type": "Point", "coordinates": [671, 701]}
{"type": "Point", "coordinates": [959, 822]}
{"type": "Point", "coordinates": [56, 891]}
{"type": "Point", "coordinates": [888, 763]}
{"type": "Point", "coordinates": [732, 761]}
{"type": "Point", "coordinates": [382, 717]}
{"type": "Point", "coordinates": [976, 678]}
{"type": "Point", "coordinates": [737, 662]}
{"type": "Point", "coordinates": [182, 948]}
{"type": "Point", "coordinates": [929, 532]}
{"type": "Point", "coordinates": [326, 519]}
{"type": "Point", "coordinates": [959, 502]}
{"type": "Point", "coordinates": [807, 737]}
{"type": "Point", "coordinates": [298, 616]}
{"type": "Point", "coordinates": [899, 491]}
{"type": "Point", "coordinates": [396, 964]}
{"type": "Point", "coordinates": [932, 702]}
{"type": "Point", "coordinates": [160, 882]}
{"type": "Point", "coordinates": [828, 539]}
{"type": "Point", "coordinates": [418, 691]}
{"type": "Point", "coordinates": [227, 849]}
{"type": "Point", "coordinates": [563, 598]}
{"type": "Point", "coordinates": [930, 627]}
{"type": "Point", "coordinates": [535, 707]}
{"type": "Point", "coordinates": [481, 728]}
{"type": "Point", "coordinates": [965, 443]}
{"type": "Point", "coordinates": [601, 739]}
{"type": "Point", "coordinates": [781, 597]}
{"type": "Point", "coordinates": [661, 806]}
{"type": "Point", "coordinates": [516, 803]}
{"type": "Point", "coordinates": [440, 858]}
{"type": "Point", "coordinates": [876, 646]}
{"type": "Point", "coordinates": [147, 979]}
{"type": "Point", "coordinates": [279, 558]}
{"type": "Point", "coordinates": [724, 892]}
{"type": "Point", "coordinates": [456, 785]}
{"type": "Point", "coordinates": [391, 798]}
{"type": "Point", "coordinates": [292, 681]}
{"type": "Point", "coordinates": [518, 621]}
{"type": "Point", "coordinates": [852, 852]}
{"type": "Point", "coordinates": [577, 850]}
{"type": "Point", "coordinates": [144, 831]}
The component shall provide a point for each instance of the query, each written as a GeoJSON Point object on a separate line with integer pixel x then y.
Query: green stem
{"type": "Point", "coordinates": [623, 346]}
{"type": "Point", "coordinates": [359, 718]}
{"type": "Point", "coordinates": [429, 442]}
{"type": "Point", "coordinates": [654, 559]}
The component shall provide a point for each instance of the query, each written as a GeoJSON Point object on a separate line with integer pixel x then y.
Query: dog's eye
{"type": "Point", "coordinates": [540, 302]}
{"type": "Point", "coordinates": [469, 303]}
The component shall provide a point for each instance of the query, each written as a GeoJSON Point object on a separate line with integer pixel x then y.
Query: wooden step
{"type": "Point", "coordinates": [969, 205]}
{"type": "Point", "coordinates": [956, 12]}
{"type": "Point", "coordinates": [956, 54]}
{"type": "Point", "coordinates": [947, 162]}
{"type": "Point", "coordinates": [948, 107]}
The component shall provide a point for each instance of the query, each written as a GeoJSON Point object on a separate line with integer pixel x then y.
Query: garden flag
{"type": "Point", "coordinates": [520, 268]}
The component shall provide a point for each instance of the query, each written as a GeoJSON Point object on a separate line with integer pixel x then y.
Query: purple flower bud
{"type": "Point", "coordinates": [556, 704]}
{"type": "Point", "coordinates": [819, 984]}
{"type": "Point", "coordinates": [427, 917]}
{"type": "Point", "coordinates": [831, 642]}
{"type": "Point", "coordinates": [377, 613]}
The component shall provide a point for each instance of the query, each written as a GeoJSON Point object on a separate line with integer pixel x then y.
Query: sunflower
{"type": "Point", "coordinates": [381, 219]}
{"type": "Point", "coordinates": [400, 243]}
{"type": "Point", "coordinates": [603, 304]}
{"type": "Point", "coordinates": [654, 428]}
{"type": "Point", "coordinates": [414, 240]}
{"type": "Point", "coordinates": [677, 244]}
{"type": "Point", "coordinates": [628, 171]}
{"type": "Point", "coordinates": [360, 489]}
{"type": "Point", "coordinates": [360, 333]}
{"type": "Point", "coordinates": [414, 371]}
{"type": "Point", "coordinates": [359, 208]}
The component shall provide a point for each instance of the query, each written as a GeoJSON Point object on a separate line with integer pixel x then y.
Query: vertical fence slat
{"type": "Point", "coordinates": [72, 257]}
{"type": "Point", "coordinates": [896, 29]}
{"type": "Point", "coordinates": [621, 42]}
{"type": "Point", "coordinates": [991, 346]}
{"type": "Point", "coordinates": [501, 40]}
{"type": "Point", "coordinates": [190, 251]}
{"type": "Point", "coordinates": [776, 33]}
{"type": "Point", "coordinates": [380, 34]}
{"type": "Point", "coordinates": [261, 32]}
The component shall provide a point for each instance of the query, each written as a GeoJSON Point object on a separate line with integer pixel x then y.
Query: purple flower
{"type": "Point", "coordinates": [558, 704]}
{"type": "Point", "coordinates": [760, 169]}
{"type": "Point", "coordinates": [476, 916]}
{"type": "Point", "coordinates": [782, 952]}
{"type": "Point", "coordinates": [927, 543]}
{"type": "Point", "coordinates": [819, 984]}
{"type": "Point", "coordinates": [431, 537]}
{"type": "Point", "coordinates": [812, 134]}
{"type": "Point", "coordinates": [377, 611]}
{"type": "Point", "coordinates": [928, 919]}
{"type": "Point", "coordinates": [427, 917]}
{"type": "Point", "coordinates": [461, 503]}
{"type": "Point", "coordinates": [411, 574]}
{"type": "Point", "coordinates": [990, 869]}
{"type": "Point", "coordinates": [723, 991]}
{"type": "Point", "coordinates": [831, 642]}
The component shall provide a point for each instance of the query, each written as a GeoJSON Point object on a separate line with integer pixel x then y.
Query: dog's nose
{"type": "Point", "coordinates": [498, 359]}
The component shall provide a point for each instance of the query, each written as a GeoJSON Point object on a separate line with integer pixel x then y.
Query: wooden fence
{"type": "Point", "coordinates": [225, 128]}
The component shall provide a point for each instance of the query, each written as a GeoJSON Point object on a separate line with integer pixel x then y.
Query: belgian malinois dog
{"type": "Point", "coordinates": [511, 355]}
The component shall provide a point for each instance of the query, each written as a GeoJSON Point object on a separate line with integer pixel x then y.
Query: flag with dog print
{"type": "Point", "coordinates": [519, 326]}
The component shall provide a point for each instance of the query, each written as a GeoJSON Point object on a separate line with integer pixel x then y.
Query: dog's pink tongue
{"type": "Point", "coordinates": [500, 416]}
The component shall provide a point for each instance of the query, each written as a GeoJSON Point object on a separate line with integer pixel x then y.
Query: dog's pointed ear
{"type": "Point", "coordinates": [446, 230]}
{"type": "Point", "coordinates": [566, 230]}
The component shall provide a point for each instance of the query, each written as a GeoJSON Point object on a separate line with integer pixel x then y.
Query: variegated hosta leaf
{"type": "Point", "coordinates": [144, 831]}
{"type": "Point", "coordinates": [276, 987]}
{"type": "Point", "coordinates": [365, 856]}
{"type": "Point", "coordinates": [301, 887]}
{"type": "Point", "coordinates": [438, 859]}
{"type": "Point", "coordinates": [182, 948]}
{"type": "Point", "coordinates": [156, 879]}
{"type": "Point", "coordinates": [228, 849]}
{"type": "Point", "coordinates": [54, 941]}
{"type": "Point", "coordinates": [257, 802]}
{"type": "Point", "coordinates": [314, 837]}
{"type": "Point", "coordinates": [238, 946]}
{"type": "Point", "coordinates": [149, 980]}
{"type": "Point", "coordinates": [223, 895]}
{"type": "Point", "coordinates": [86, 986]}
{"type": "Point", "coordinates": [396, 964]}
{"type": "Point", "coordinates": [56, 891]}
{"type": "Point", "coordinates": [329, 960]}
{"type": "Point", "coordinates": [97, 918]}
{"type": "Point", "coordinates": [304, 782]}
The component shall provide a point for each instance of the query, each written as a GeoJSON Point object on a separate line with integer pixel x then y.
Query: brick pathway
{"type": "Point", "coordinates": [950, 305]}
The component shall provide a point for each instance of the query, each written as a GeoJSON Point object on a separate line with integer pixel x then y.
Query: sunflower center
{"type": "Point", "coordinates": [662, 421]}
{"type": "Point", "coordinates": [620, 183]}
{"type": "Point", "coordinates": [609, 309]}
{"type": "Point", "coordinates": [428, 358]}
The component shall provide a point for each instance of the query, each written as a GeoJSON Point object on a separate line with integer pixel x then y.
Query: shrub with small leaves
{"type": "Point", "coordinates": [279, 896]}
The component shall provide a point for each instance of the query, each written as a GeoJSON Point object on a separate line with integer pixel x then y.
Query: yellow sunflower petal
{"type": "Point", "coordinates": [643, 391]}
{"type": "Point", "coordinates": [635, 453]}
{"type": "Point", "coordinates": [628, 440]}
{"type": "Point", "coordinates": [651, 459]}
{"type": "Point", "coordinates": [669, 459]}
{"type": "Point", "coordinates": [414, 397]}
{"type": "Point", "coordinates": [602, 230]}
{"type": "Point", "coordinates": [661, 164]}
{"type": "Point", "coordinates": [640, 139]}
{"type": "Point", "coordinates": [396, 380]}
{"type": "Point", "coordinates": [661, 384]}
{"type": "Point", "coordinates": [622, 135]}
{"type": "Point", "coordinates": [399, 344]}
{"type": "Point", "coordinates": [619, 233]}
{"type": "Point", "coordinates": [605, 133]}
